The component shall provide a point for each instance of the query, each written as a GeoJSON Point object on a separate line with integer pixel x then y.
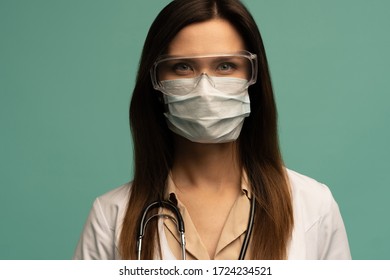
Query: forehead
{"type": "Point", "coordinates": [213, 36]}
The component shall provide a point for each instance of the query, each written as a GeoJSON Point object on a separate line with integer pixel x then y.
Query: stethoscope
{"type": "Point", "coordinates": [180, 225]}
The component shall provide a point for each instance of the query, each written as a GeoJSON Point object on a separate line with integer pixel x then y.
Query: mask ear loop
{"type": "Point", "coordinates": [160, 97]}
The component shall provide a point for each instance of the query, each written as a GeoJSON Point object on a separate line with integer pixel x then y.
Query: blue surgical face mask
{"type": "Point", "coordinates": [206, 114]}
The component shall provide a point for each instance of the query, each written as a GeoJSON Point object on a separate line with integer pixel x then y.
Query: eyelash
{"type": "Point", "coordinates": [178, 66]}
{"type": "Point", "coordinates": [185, 67]}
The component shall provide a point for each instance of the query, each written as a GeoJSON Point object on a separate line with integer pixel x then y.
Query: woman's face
{"type": "Point", "coordinates": [209, 37]}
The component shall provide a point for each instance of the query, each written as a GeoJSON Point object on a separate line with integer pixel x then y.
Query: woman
{"type": "Point", "coordinates": [204, 126]}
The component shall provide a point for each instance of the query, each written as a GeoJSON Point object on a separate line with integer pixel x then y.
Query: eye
{"type": "Point", "coordinates": [226, 68]}
{"type": "Point", "coordinates": [182, 69]}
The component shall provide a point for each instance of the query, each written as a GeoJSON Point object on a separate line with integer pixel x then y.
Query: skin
{"type": "Point", "coordinates": [207, 176]}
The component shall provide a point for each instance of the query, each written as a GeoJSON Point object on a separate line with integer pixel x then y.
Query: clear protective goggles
{"type": "Point", "coordinates": [189, 69]}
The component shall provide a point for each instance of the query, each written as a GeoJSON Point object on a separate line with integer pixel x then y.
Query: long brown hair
{"type": "Point", "coordinates": [258, 142]}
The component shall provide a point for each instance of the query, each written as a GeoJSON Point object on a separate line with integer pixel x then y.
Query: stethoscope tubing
{"type": "Point", "coordinates": [180, 226]}
{"type": "Point", "coordinates": [144, 222]}
{"type": "Point", "coordinates": [249, 229]}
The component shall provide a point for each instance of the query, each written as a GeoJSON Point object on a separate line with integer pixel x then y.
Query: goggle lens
{"type": "Point", "coordinates": [240, 66]}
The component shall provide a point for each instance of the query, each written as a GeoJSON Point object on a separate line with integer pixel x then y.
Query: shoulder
{"type": "Point", "coordinates": [113, 204]}
{"type": "Point", "coordinates": [311, 199]}
{"type": "Point", "coordinates": [319, 231]}
{"type": "Point", "coordinates": [307, 188]}
{"type": "Point", "coordinates": [116, 197]}
{"type": "Point", "coordinates": [100, 236]}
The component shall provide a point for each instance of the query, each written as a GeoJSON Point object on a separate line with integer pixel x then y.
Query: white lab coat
{"type": "Point", "coordinates": [318, 233]}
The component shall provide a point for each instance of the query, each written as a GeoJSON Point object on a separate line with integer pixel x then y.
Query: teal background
{"type": "Point", "coordinates": [67, 70]}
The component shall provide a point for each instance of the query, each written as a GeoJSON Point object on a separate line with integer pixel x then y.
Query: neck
{"type": "Point", "coordinates": [211, 166]}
